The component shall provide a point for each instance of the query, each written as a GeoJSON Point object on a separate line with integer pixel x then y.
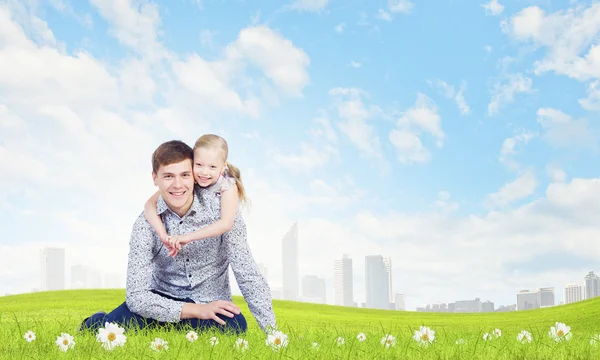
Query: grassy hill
{"type": "Point", "coordinates": [62, 311]}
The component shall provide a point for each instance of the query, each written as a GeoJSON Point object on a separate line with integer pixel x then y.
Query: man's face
{"type": "Point", "coordinates": [176, 185]}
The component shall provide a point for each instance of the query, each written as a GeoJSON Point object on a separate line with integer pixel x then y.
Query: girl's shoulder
{"type": "Point", "coordinates": [224, 183]}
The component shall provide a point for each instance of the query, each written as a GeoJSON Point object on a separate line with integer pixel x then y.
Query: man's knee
{"type": "Point", "coordinates": [238, 323]}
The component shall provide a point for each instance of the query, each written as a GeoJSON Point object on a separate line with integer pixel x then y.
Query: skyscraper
{"type": "Point", "coordinates": [388, 267]}
{"type": "Point", "coordinates": [573, 293]}
{"type": "Point", "coordinates": [592, 285]}
{"type": "Point", "coordinates": [343, 281]}
{"type": "Point", "coordinates": [528, 300]}
{"type": "Point", "coordinates": [376, 283]}
{"type": "Point", "coordinates": [290, 263]}
{"type": "Point", "coordinates": [546, 296]}
{"type": "Point", "coordinates": [52, 266]}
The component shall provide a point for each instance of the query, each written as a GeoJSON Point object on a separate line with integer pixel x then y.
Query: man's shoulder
{"type": "Point", "coordinates": [141, 226]}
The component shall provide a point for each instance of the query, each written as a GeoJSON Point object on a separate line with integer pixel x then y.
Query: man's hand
{"type": "Point", "coordinates": [210, 310]}
{"type": "Point", "coordinates": [175, 243]}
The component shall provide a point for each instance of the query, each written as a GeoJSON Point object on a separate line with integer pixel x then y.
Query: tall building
{"type": "Point", "coordinates": [376, 283]}
{"type": "Point", "coordinates": [592, 285]}
{"type": "Point", "coordinates": [399, 302]}
{"type": "Point", "coordinates": [573, 293]}
{"type": "Point", "coordinates": [546, 296]}
{"type": "Point", "coordinates": [527, 300]}
{"type": "Point", "coordinates": [314, 289]}
{"type": "Point", "coordinates": [387, 261]}
{"type": "Point", "coordinates": [290, 263]}
{"type": "Point", "coordinates": [52, 266]}
{"type": "Point", "coordinates": [343, 282]}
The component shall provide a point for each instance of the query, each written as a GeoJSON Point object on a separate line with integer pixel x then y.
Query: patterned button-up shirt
{"type": "Point", "coordinates": [200, 269]}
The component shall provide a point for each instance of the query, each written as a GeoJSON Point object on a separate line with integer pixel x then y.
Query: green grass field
{"type": "Point", "coordinates": [49, 314]}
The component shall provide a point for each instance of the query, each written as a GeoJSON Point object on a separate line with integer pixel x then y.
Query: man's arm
{"type": "Point", "coordinates": [250, 281]}
{"type": "Point", "coordinates": [138, 296]}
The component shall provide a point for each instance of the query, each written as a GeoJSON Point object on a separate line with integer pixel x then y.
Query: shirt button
{"type": "Point", "coordinates": [190, 275]}
{"type": "Point", "coordinates": [187, 259]}
{"type": "Point", "coordinates": [181, 222]}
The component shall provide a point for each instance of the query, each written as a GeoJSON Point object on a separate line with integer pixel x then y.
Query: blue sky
{"type": "Point", "coordinates": [455, 137]}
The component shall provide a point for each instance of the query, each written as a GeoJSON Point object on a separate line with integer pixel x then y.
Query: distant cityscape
{"type": "Point", "coordinates": [379, 292]}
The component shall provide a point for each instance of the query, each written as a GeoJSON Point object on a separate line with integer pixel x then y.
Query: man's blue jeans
{"type": "Point", "coordinates": [125, 318]}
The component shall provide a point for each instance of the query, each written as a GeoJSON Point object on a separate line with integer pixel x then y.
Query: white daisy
{"type": "Point", "coordinates": [111, 336]}
{"type": "Point", "coordinates": [64, 342]}
{"type": "Point", "coordinates": [361, 337]}
{"type": "Point", "coordinates": [29, 336]}
{"type": "Point", "coordinates": [497, 333]}
{"type": "Point", "coordinates": [191, 336]}
{"type": "Point", "coordinates": [560, 332]}
{"type": "Point", "coordinates": [424, 336]}
{"type": "Point", "coordinates": [388, 341]}
{"type": "Point", "coordinates": [524, 336]}
{"type": "Point", "coordinates": [315, 345]}
{"type": "Point", "coordinates": [487, 336]}
{"type": "Point", "coordinates": [595, 339]}
{"type": "Point", "coordinates": [159, 345]}
{"type": "Point", "coordinates": [277, 340]}
{"type": "Point", "coordinates": [241, 344]}
{"type": "Point", "coordinates": [339, 341]}
{"type": "Point", "coordinates": [460, 342]}
{"type": "Point", "coordinates": [213, 341]}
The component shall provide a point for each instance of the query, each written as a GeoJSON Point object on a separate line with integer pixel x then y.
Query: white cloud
{"type": "Point", "coordinates": [384, 15]}
{"type": "Point", "coordinates": [134, 25]}
{"type": "Point", "coordinates": [207, 38]}
{"type": "Point", "coordinates": [450, 92]}
{"type": "Point", "coordinates": [493, 8]}
{"type": "Point", "coordinates": [354, 116]}
{"type": "Point", "coordinates": [355, 64]}
{"type": "Point", "coordinates": [309, 5]}
{"type": "Point", "coordinates": [523, 186]}
{"type": "Point", "coordinates": [562, 131]}
{"type": "Point", "coordinates": [319, 151]}
{"type": "Point", "coordinates": [555, 173]}
{"type": "Point", "coordinates": [509, 145]}
{"type": "Point", "coordinates": [339, 28]}
{"type": "Point", "coordinates": [283, 63]}
{"type": "Point", "coordinates": [505, 90]}
{"type": "Point", "coordinates": [406, 137]}
{"type": "Point", "coordinates": [569, 37]}
{"type": "Point", "coordinates": [400, 6]}
{"type": "Point", "coordinates": [592, 102]}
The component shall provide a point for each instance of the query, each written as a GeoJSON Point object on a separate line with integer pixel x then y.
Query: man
{"type": "Point", "coordinates": [192, 288]}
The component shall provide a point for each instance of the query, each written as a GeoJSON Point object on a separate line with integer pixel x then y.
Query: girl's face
{"type": "Point", "coordinates": [208, 165]}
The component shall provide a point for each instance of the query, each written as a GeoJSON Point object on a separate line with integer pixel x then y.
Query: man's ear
{"type": "Point", "coordinates": [154, 178]}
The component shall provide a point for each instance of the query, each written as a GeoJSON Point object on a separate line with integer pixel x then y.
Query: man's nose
{"type": "Point", "coordinates": [177, 182]}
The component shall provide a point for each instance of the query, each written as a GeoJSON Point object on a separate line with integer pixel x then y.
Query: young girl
{"type": "Point", "coordinates": [211, 172]}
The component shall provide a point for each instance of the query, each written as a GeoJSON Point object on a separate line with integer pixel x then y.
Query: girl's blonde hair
{"type": "Point", "coordinates": [215, 141]}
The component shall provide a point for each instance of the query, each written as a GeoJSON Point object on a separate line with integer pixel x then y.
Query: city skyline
{"type": "Point", "coordinates": [448, 137]}
{"type": "Point", "coordinates": [314, 289]}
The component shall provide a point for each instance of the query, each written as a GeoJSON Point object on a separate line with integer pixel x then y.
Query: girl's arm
{"type": "Point", "coordinates": [151, 214]}
{"type": "Point", "coordinates": [229, 208]}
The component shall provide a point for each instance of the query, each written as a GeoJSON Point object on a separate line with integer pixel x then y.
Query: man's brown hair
{"type": "Point", "coordinates": [171, 152]}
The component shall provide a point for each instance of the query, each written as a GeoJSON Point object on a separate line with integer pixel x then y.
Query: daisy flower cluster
{"type": "Point", "coordinates": [112, 336]}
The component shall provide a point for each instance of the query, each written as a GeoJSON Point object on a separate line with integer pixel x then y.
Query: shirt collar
{"type": "Point", "coordinates": [161, 205]}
